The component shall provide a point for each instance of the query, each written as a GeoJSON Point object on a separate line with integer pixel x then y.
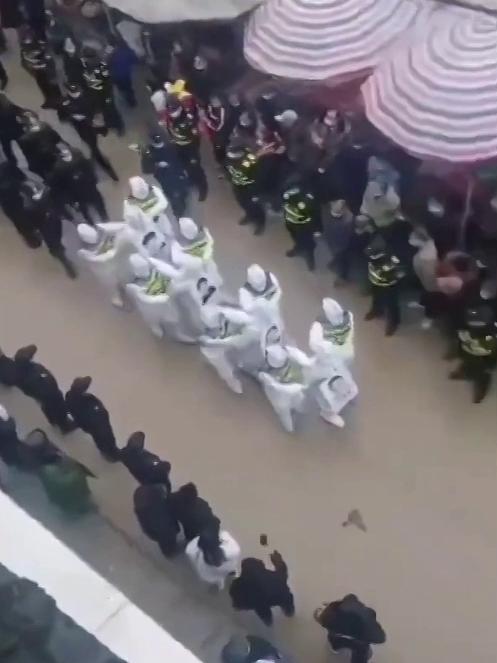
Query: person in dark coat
{"type": "Point", "coordinates": [351, 625]}
{"type": "Point", "coordinates": [193, 512]}
{"type": "Point", "coordinates": [38, 143]}
{"type": "Point", "coordinates": [74, 183]}
{"type": "Point", "coordinates": [8, 370]}
{"type": "Point", "coordinates": [12, 205]}
{"type": "Point", "coordinates": [90, 414]}
{"type": "Point", "coordinates": [10, 127]}
{"type": "Point", "coordinates": [71, 61]}
{"type": "Point", "coordinates": [9, 440]}
{"type": "Point", "coordinates": [45, 216]}
{"type": "Point", "coordinates": [40, 65]}
{"type": "Point", "coordinates": [260, 589]}
{"type": "Point", "coordinates": [99, 85]}
{"type": "Point", "coordinates": [36, 381]}
{"type": "Point", "coordinates": [156, 517]}
{"type": "Point", "coordinates": [146, 467]}
{"type": "Point", "coordinates": [121, 61]}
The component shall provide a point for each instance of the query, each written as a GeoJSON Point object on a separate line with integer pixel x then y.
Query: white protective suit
{"type": "Point", "coordinates": [331, 339]}
{"type": "Point", "coordinates": [155, 295]}
{"type": "Point", "coordinates": [193, 251]}
{"type": "Point", "coordinates": [215, 575]}
{"type": "Point", "coordinates": [285, 382]}
{"type": "Point", "coordinates": [230, 338]}
{"type": "Point", "coordinates": [107, 256]}
{"type": "Point", "coordinates": [260, 296]}
{"type": "Point", "coordinates": [147, 208]}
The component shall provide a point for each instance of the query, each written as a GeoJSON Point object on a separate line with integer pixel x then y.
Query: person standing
{"type": "Point", "coordinates": [260, 589]}
{"type": "Point", "coordinates": [36, 381]}
{"type": "Point", "coordinates": [146, 467]}
{"type": "Point", "coordinates": [38, 144]}
{"type": "Point", "coordinates": [156, 517]}
{"type": "Point", "coordinates": [121, 60]}
{"type": "Point", "coordinates": [242, 167]}
{"type": "Point", "coordinates": [4, 79]}
{"type": "Point", "coordinates": [192, 512]}
{"type": "Point", "coordinates": [215, 121]}
{"type": "Point", "coordinates": [71, 61]}
{"type": "Point", "coordinates": [40, 65]}
{"type": "Point", "coordinates": [338, 232]}
{"type": "Point", "coordinates": [90, 414]}
{"type": "Point", "coordinates": [215, 555]}
{"type": "Point", "coordinates": [11, 203]}
{"type": "Point", "coordinates": [301, 215]}
{"type": "Point", "coordinates": [352, 626]}
{"type": "Point", "coordinates": [98, 82]}
{"type": "Point", "coordinates": [10, 127]}
{"type": "Point", "coordinates": [385, 274]}
{"type": "Point", "coordinates": [77, 109]}
{"type": "Point", "coordinates": [74, 183]}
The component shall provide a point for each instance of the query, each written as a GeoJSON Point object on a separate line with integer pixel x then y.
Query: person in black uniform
{"type": "Point", "coordinates": [384, 273]}
{"type": "Point", "coordinates": [159, 158]}
{"type": "Point", "coordinates": [45, 215]}
{"type": "Point", "coordinates": [99, 84]}
{"type": "Point", "coordinates": [301, 215]}
{"type": "Point", "coordinates": [71, 61]}
{"type": "Point", "coordinates": [77, 109]}
{"type": "Point", "coordinates": [10, 443]}
{"type": "Point", "coordinates": [242, 166]}
{"type": "Point", "coordinates": [215, 119]}
{"type": "Point", "coordinates": [36, 381]}
{"type": "Point", "coordinates": [192, 511]}
{"type": "Point", "coordinates": [10, 127]}
{"type": "Point", "coordinates": [156, 517]}
{"type": "Point", "coordinates": [40, 65]}
{"type": "Point", "coordinates": [38, 143]}
{"type": "Point", "coordinates": [478, 350]}
{"type": "Point", "coordinates": [74, 183]}
{"type": "Point", "coordinates": [12, 205]}
{"type": "Point", "coordinates": [91, 415]}
{"type": "Point", "coordinates": [146, 467]}
{"type": "Point", "coordinates": [8, 371]}
{"type": "Point", "coordinates": [182, 125]}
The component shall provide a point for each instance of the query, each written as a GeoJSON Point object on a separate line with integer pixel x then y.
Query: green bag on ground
{"type": "Point", "coordinates": [66, 485]}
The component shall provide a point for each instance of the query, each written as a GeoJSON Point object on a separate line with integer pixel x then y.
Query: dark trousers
{"type": "Point", "coordinates": [22, 224]}
{"type": "Point", "coordinates": [89, 136]}
{"type": "Point", "coordinates": [478, 371]}
{"type": "Point", "coordinates": [49, 89]}
{"type": "Point", "coordinates": [104, 438]}
{"type": "Point", "coordinates": [55, 410]}
{"type": "Point", "coordinates": [7, 148]}
{"type": "Point", "coordinates": [385, 302]}
{"type": "Point", "coordinates": [265, 613]}
{"type": "Point", "coordinates": [432, 303]}
{"type": "Point", "coordinates": [190, 159]}
{"type": "Point", "coordinates": [248, 197]}
{"type": "Point", "coordinates": [175, 193]}
{"type": "Point", "coordinates": [303, 238]}
{"type": "Point", "coordinates": [352, 253]}
{"type": "Point", "coordinates": [361, 652]}
{"type": "Point", "coordinates": [112, 117]}
{"type": "Point", "coordinates": [93, 199]}
{"type": "Point", "coordinates": [125, 87]}
{"type": "Point", "coordinates": [4, 79]}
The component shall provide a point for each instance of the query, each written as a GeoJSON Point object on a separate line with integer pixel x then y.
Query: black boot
{"type": "Point", "coordinates": [292, 253]}
{"type": "Point", "coordinates": [481, 387]}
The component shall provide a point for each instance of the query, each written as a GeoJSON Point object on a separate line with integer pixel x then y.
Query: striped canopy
{"type": "Point", "coordinates": [438, 97]}
{"type": "Point", "coordinates": [326, 39]}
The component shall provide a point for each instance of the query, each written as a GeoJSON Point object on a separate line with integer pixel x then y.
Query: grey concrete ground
{"type": "Point", "coordinates": [417, 458]}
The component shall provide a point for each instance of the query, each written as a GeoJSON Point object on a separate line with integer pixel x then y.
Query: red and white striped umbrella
{"type": "Point", "coordinates": [326, 39]}
{"type": "Point", "coordinates": [438, 96]}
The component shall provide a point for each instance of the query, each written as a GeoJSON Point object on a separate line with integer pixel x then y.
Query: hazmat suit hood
{"type": "Point", "coordinates": [188, 228]}
{"type": "Point", "coordinates": [138, 187]}
{"type": "Point", "coordinates": [333, 311]}
{"type": "Point", "coordinates": [87, 234]}
{"type": "Point", "coordinates": [276, 356]}
{"type": "Point", "coordinates": [158, 100]}
{"type": "Point", "coordinates": [256, 277]}
{"type": "Point", "coordinates": [153, 244]}
{"type": "Point", "coordinates": [140, 266]}
{"type": "Point", "coordinates": [4, 415]}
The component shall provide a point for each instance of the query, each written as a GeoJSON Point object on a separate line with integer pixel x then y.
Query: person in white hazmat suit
{"type": "Point", "coordinates": [331, 339]}
{"type": "Point", "coordinates": [230, 338]}
{"type": "Point", "coordinates": [193, 252]}
{"type": "Point", "coordinates": [260, 296]}
{"type": "Point", "coordinates": [107, 252]}
{"type": "Point", "coordinates": [153, 293]}
{"type": "Point", "coordinates": [147, 208]}
{"type": "Point", "coordinates": [284, 380]}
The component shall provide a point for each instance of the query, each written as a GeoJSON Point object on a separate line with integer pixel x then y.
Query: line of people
{"type": "Point", "coordinates": [177, 521]}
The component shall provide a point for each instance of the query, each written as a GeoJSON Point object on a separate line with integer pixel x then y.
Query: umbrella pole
{"type": "Point", "coordinates": [466, 212]}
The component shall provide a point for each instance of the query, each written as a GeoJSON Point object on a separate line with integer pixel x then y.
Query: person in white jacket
{"type": "Point", "coordinates": [260, 296]}
{"type": "Point", "coordinates": [147, 208]}
{"type": "Point", "coordinates": [285, 381]}
{"type": "Point", "coordinates": [332, 333]}
{"type": "Point", "coordinates": [215, 555]}
{"type": "Point", "coordinates": [230, 337]}
{"type": "Point", "coordinates": [108, 247]}
{"type": "Point", "coordinates": [193, 251]}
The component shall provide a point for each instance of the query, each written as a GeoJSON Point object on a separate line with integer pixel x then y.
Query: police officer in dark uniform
{"type": "Point", "coordinates": [478, 350]}
{"type": "Point", "coordinates": [91, 415]}
{"type": "Point", "coordinates": [242, 167]}
{"type": "Point", "coordinates": [36, 381]}
{"type": "Point", "coordinates": [12, 205]}
{"type": "Point", "coordinates": [385, 273]}
{"type": "Point", "coordinates": [74, 183]}
{"type": "Point", "coordinates": [45, 215]}
{"type": "Point", "coordinates": [301, 215]}
{"type": "Point", "coordinates": [38, 143]}
{"type": "Point", "coordinates": [77, 109]}
{"type": "Point", "coordinates": [10, 127]}
{"type": "Point", "coordinates": [71, 61]}
{"type": "Point", "coordinates": [40, 65]}
{"type": "Point", "coordinates": [160, 159]}
{"type": "Point", "coordinates": [99, 84]}
{"type": "Point", "coordinates": [182, 125]}
{"type": "Point", "coordinates": [146, 467]}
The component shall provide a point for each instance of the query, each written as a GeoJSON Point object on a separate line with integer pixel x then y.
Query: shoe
{"type": "Point", "coordinates": [311, 263]}
{"type": "Point", "coordinates": [292, 253]}
{"type": "Point", "coordinates": [117, 302]}
{"type": "Point", "coordinates": [458, 374]}
{"type": "Point", "coordinates": [33, 241]}
{"type": "Point", "coordinates": [259, 230]}
{"type": "Point", "coordinates": [391, 328]}
{"type": "Point", "coordinates": [414, 305]}
{"type": "Point", "coordinates": [371, 315]}
{"type": "Point", "coordinates": [244, 221]}
{"type": "Point", "coordinates": [334, 419]}
{"type": "Point", "coordinates": [339, 282]}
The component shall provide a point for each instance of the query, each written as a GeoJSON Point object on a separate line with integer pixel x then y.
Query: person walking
{"type": "Point", "coordinates": [156, 517]}
{"type": "Point", "coordinates": [38, 143]}
{"type": "Point", "coordinates": [301, 215]}
{"type": "Point", "coordinates": [146, 467]}
{"type": "Point", "coordinates": [260, 589]}
{"type": "Point", "coordinates": [215, 555]}
{"type": "Point", "coordinates": [11, 128]}
{"type": "Point", "coordinates": [40, 65]}
{"type": "Point", "coordinates": [12, 205]}
{"type": "Point", "coordinates": [121, 60]}
{"type": "Point", "coordinates": [192, 512]}
{"type": "Point", "coordinates": [97, 78]}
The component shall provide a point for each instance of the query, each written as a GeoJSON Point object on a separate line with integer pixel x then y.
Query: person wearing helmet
{"type": "Point", "coordinates": [193, 252]}
{"type": "Point", "coordinates": [36, 381]}
{"type": "Point", "coordinates": [91, 415]}
{"type": "Point", "coordinates": [106, 250]}
{"type": "Point", "coordinates": [38, 143]}
{"type": "Point", "coordinates": [159, 158]}
{"type": "Point", "coordinates": [301, 215]}
{"type": "Point", "coordinates": [260, 296]}
{"type": "Point", "coordinates": [78, 110]}
{"type": "Point", "coordinates": [385, 273]}
{"type": "Point", "coordinates": [242, 166]}
{"type": "Point", "coordinates": [43, 212]}
{"type": "Point", "coordinates": [332, 333]}
{"type": "Point", "coordinates": [74, 183]}
{"type": "Point", "coordinates": [98, 82]}
{"type": "Point", "coordinates": [284, 380]}
{"type": "Point", "coordinates": [147, 208]}
{"type": "Point", "coordinates": [228, 336]}
{"type": "Point", "coordinates": [478, 350]}
{"type": "Point", "coordinates": [40, 65]}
